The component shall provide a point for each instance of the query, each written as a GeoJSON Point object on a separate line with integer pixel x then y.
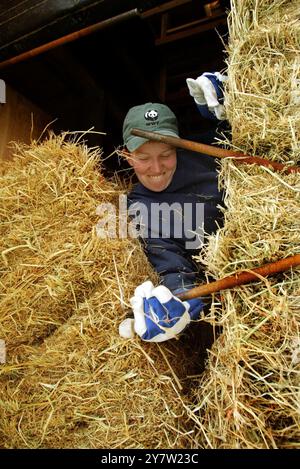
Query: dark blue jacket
{"type": "Point", "coordinates": [194, 191]}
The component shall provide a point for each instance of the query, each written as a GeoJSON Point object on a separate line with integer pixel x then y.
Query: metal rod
{"type": "Point", "coordinates": [241, 278]}
{"type": "Point", "coordinates": [214, 151]}
{"type": "Point", "coordinates": [70, 38]}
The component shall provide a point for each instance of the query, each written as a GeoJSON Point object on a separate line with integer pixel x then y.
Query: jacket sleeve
{"type": "Point", "coordinates": [177, 271]}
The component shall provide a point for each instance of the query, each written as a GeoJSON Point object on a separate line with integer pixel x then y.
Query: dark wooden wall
{"type": "Point", "coordinates": [20, 120]}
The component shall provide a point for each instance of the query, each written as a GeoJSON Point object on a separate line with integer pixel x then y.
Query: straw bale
{"type": "Point", "coordinates": [249, 395]}
{"type": "Point", "coordinates": [263, 69]}
{"type": "Point", "coordinates": [85, 387]}
{"type": "Point", "coordinates": [45, 243]}
{"type": "Point", "coordinates": [70, 380]}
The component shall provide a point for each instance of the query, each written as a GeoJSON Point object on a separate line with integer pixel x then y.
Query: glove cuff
{"type": "Point", "coordinates": [200, 102]}
{"type": "Point", "coordinates": [195, 91]}
{"type": "Point", "coordinates": [126, 328]}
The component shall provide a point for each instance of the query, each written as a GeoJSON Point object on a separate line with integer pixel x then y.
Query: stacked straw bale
{"type": "Point", "coordinates": [249, 396]}
{"type": "Point", "coordinates": [69, 380]}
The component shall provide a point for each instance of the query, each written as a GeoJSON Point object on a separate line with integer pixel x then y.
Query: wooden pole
{"type": "Point", "coordinates": [241, 278]}
{"type": "Point", "coordinates": [213, 151]}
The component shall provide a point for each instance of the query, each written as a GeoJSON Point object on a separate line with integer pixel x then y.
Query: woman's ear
{"type": "Point", "coordinates": [128, 156]}
{"type": "Point", "coordinates": [124, 153]}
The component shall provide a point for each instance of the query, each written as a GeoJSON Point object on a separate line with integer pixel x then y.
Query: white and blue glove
{"type": "Point", "coordinates": [158, 314]}
{"type": "Point", "coordinates": [208, 93]}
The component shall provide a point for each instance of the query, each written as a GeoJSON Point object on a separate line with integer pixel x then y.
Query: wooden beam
{"type": "Point", "coordinates": [192, 31]}
{"type": "Point", "coordinates": [195, 23]}
{"type": "Point", "coordinates": [164, 7]}
{"type": "Point", "coordinates": [70, 38]}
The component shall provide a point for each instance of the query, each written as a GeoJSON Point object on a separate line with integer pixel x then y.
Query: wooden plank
{"type": "Point", "coordinates": [195, 23]}
{"type": "Point", "coordinates": [20, 120]}
{"type": "Point", "coordinates": [192, 31]}
{"type": "Point", "coordinates": [165, 7]}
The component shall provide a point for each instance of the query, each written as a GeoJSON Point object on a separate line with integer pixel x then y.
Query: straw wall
{"type": "Point", "coordinates": [249, 396]}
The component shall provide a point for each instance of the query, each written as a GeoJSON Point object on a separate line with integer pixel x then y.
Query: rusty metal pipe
{"type": "Point", "coordinates": [213, 151]}
{"type": "Point", "coordinates": [70, 38]}
{"type": "Point", "coordinates": [241, 278]}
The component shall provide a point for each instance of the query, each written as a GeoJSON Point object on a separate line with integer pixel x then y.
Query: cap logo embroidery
{"type": "Point", "coordinates": [151, 115]}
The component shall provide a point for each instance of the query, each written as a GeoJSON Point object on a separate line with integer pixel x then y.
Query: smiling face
{"type": "Point", "coordinates": [154, 164]}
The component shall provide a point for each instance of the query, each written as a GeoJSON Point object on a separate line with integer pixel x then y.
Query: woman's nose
{"type": "Point", "coordinates": [156, 167]}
